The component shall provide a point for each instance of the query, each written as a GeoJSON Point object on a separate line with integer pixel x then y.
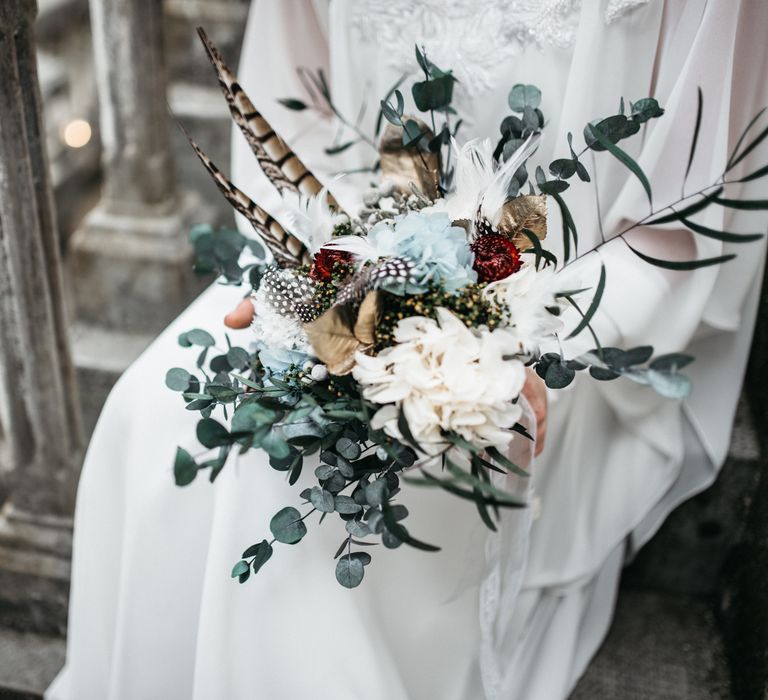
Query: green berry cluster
{"type": "Point", "coordinates": [342, 229]}
{"type": "Point", "coordinates": [469, 305]}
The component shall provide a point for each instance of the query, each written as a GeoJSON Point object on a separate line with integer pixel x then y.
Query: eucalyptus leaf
{"type": "Point", "coordinates": [671, 362]}
{"type": "Point", "coordinates": [563, 167]}
{"type": "Point", "coordinates": [376, 493]}
{"type": "Point", "coordinates": [200, 337]}
{"type": "Point", "coordinates": [321, 499]}
{"type": "Point", "coordinates": [239, 569]}
{"type": "Point", "coordinates": [522, 96]}
{"type": "Point", "coordinates": [357, 528]}
{"type": "Point", "coordinates": [349, 571]}
{"type": "Point", "coordinates": [669, 385]}
{"type": "Point", "coordinates": [239, 358]}
{"type": "Point", "coordinates": [346, 505]}
{"type": "Point", "coordinates": [261, 554]}
{"type": "Point", "coordinates": [223, 394]}
{"type": "Point", "coordinates": [433, 94]}
{"type": "Point", "coordinates": [645, 109]}
{"type": "Point", "coordinates": [324, 471]}
{"type": "Point", "coordinates": [177, 379]}
{"type": "Point", "coordinates": [184, 467]}
{"type": "Point", "coordinates": [275, 445]}
{"type": "Point", "coordinates": [211, 433]}
{"type": "Point", "coordinates": [287, 526]}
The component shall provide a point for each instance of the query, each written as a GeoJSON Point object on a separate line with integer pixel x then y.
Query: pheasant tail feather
{"type": "Point", "coordinates": [280, 164]}
{"type": "Point", "coordinates": [287, 250]}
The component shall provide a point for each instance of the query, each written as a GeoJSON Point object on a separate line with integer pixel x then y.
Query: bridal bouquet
{"type": "Point", "coordinates": [393, 342]}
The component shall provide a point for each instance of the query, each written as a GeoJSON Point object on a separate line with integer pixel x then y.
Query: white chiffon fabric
{"type": "Point", "coordinates": [516, 616]}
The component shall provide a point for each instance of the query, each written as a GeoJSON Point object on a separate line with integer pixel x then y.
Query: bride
{"type": "Point", "coordinates": [153, 611]}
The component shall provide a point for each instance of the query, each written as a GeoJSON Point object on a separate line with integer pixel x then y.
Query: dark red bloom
{"type": "Point", "coordinates": [496, 257]}
{"type": "Point", "coordinates": [324, 262]}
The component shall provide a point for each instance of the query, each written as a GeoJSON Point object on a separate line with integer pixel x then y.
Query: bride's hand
{"type": "Point", "coordinates": [536, 393]}
{"type": "Point", "coordinates": [241, 316]}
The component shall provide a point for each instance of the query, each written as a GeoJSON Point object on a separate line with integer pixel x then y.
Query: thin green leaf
{"type": "Point", "coordinates": [752, 146]}
{"type": "Point", "coordinates": [450, 487]}
{"type": "Point", "coordinates": [624, 158]}
{"type": "Point", "coordinates": [742, 137]}
{"type": "Point", "coordinates": [482, 508]}
{"type": "Point", "coordinates": [340, 148]}
{"type": "Point", "coordinates": [748, 204]}
{"type": "Point", "coordinates": [380, 116]}
{"type": "Point", "coordinates": [721, 235]}
{"type": "Point", "coordinates": [403, 535]}
{"type": "Point", "coordinates": [405, 430]}
{"type": "Point", "coordinates": [569, 226]}
{"type": "Point", "coordinates": [505, 462]}
{"type": "Point", "coordinates": [481, 485]}
{"type": "Point", "coordinates": [590, 312]}
{"type": "Point", "coordinates": [685, 212]}
{"type": "Point", "coordinates": [695, 139]}
{"type": "Point", "coordinates": [682, 264]}
{"type": "Point", "coordinates": [293, 103]}
{"type": "Point", "coordinates": [761, 172]}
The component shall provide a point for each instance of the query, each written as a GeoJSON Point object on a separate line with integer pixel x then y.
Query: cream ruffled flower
{"type": "Point", "coordinates": [525, 297]}
{"type": "Point", "coordinates": [444, 377]}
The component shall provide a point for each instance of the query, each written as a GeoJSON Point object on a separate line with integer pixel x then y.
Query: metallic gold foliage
{"type": "Point", "coordinates": [528, 211]}
{"type": "Point", "coordinates": [403, 166]}
{"type": "Point", "coordinates": [341, 331]}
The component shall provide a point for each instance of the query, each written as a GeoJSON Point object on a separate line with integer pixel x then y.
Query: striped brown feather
{"type": "Point", "coordinates": [279, 163]}
{"type": "Point", "coordinates": [287, 250]}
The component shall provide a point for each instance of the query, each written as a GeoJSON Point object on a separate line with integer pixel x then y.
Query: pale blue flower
{"type": "Point", "coordinates": [279, 360]}
{"type": "Point", "coordinates": [438, 250]}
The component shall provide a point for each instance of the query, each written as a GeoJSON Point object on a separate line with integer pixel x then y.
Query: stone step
{"type": "Point", "coordinates": [100, 357]}
{"type": "Point", "coordinates": [661, 647]}
{"type": "Point", "coordinates": [28, 664]}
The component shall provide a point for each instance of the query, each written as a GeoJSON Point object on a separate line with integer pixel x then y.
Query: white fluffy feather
{"type": "Point", "coordinates": [310, 219]}
{"type": "Point", "coordinates": [481, 181]}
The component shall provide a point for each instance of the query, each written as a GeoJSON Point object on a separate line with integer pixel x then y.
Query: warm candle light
{"type": "Point", "coordinates": [77, 133]}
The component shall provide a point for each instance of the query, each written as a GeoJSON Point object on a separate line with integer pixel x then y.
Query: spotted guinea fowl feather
{"type": "Point", "coordinates": [287, 250]}
{"type": "Point", "coordinates": [280, 164]}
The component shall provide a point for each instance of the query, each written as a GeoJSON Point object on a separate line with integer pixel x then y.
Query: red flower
{"type": "Point", "coordinates": [496, 257]}
{"type": "Point", "coordinates": [324, 262]}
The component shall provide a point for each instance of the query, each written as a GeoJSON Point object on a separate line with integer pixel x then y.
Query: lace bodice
{"type": "Point", "coordinates": [472, 36]}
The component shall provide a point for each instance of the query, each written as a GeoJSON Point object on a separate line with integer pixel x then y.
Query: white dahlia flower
{"type": "Point", "coordinates": [444, 377]}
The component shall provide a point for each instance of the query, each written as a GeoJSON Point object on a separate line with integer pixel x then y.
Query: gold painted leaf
{"type": "Point", "coordinates": [527, 211]}
{"type": "Point", "coordinates": [367, 318]}
{"type": "Point", "coordinates": [403, 166]}
{"type": "Point", "coordinates": [341, 331]}
{"type": "Point", "coordinates": [333, 339]}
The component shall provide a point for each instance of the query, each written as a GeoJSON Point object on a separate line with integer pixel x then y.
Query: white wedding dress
{"type": "Point", "coordinates": [515, 616]}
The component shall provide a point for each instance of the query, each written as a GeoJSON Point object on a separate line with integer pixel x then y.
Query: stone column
{"type": "Point", "coordinates": [130, 259]}
{"type": "Point", "coordinates": [40, 436]}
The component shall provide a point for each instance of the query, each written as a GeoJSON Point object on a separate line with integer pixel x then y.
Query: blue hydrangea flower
{"type": "Point", "coordinates": [279, 360]}
{"type": "Point", "coordinates": [439, 251]}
